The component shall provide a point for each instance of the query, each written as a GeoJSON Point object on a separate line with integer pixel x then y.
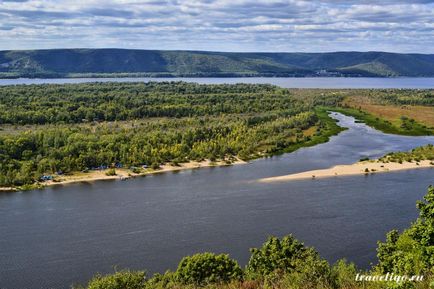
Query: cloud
{"type": "Point", "coordinates": [229, 25]}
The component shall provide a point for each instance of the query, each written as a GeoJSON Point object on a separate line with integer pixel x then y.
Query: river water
{"type": "Point", "coordinates": [288, 82]}
{"type": "Point", "coordinates": [62, 235]}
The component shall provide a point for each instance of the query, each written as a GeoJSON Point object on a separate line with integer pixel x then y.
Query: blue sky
{"type": "Point", "coordinates": [219, 25]}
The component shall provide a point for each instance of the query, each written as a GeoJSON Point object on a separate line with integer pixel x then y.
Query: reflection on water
{"type": "Point", "coordinates": [65, 234]}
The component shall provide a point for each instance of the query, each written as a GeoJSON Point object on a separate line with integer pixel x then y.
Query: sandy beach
{"type": "Point", "coordinates": [359, 168]}
{"type": "Point", "coordinates": [125, 174]}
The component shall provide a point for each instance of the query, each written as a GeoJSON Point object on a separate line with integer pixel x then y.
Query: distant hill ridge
{"type": "Point", "coordinates": [117, 62]}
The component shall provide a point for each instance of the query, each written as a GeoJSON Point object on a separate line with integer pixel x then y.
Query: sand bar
{"type": "Point", "coordinates": [359, 168]}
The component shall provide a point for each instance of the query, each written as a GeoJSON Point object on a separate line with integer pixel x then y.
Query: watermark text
{"type": "Point", "coordinates": [389, 277]}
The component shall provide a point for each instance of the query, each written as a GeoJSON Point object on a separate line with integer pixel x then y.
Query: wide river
{"type": "Point", "coordinates": [62, 235]}
{"type": "Point", "coordinates": [288, 82]}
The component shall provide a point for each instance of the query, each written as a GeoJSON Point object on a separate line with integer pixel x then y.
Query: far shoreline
{"type": "Point", "coordinates": [359, 168]}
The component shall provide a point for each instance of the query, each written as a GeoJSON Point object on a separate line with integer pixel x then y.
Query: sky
{"type": "Point", "coordinates": [219, 25]}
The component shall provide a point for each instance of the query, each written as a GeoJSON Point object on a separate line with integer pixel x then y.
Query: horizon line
{"type": "Point", "coordinates": [215, 51]}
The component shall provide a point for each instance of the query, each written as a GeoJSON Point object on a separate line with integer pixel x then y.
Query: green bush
{"type": "Point", "coordinates": [137, 170]}
{"type": "Point", "coordinates": [111, 172]}
{"type": "Point", "coordinates": [207, 268]}
{"type": "Point", "coordinates": [120, 280]}
{"type": "Point", "coordinates": [343, 274]}
{"type": "Point", "coordinates": [412, 251]}
{"type": "Point", "coordinates": [281, 256]}
{"type": "Point", "coordinates": [311, 272]}
{"type": "Point", "coordinates": [155, 166]}
{"type": "Point", "coordinates": [166, 280]}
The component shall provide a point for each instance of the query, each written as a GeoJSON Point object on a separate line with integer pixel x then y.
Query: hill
{"type": "Point", "coordinates": [124, 62]}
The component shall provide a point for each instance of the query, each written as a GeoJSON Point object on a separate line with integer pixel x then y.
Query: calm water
{"type": "Point", "coordinates": [288, 82]}
{"type": "Point", "coordinates": [61, 235]}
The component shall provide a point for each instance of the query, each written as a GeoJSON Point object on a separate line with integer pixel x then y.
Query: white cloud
{"type": "Point", "coordinates": [230, 25]}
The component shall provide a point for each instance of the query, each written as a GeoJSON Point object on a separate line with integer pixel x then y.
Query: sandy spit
{"type": "Point", "coordinates": [359, 168]}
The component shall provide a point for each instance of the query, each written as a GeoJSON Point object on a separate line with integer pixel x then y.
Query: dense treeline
{"type": "Point", "coordinates": [77, 103]}
{"type": "Point", "coordinates": [26, 156]}
{"type": "Point", "coordinates": [287, 264]}
{"type": "Point", "coordinates": [148, 124]}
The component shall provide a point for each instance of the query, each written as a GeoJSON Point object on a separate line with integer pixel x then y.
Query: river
{"type": "Point", "coordinates": [54, 237]}
{"type": "Point", "coordinates": [288, 82]}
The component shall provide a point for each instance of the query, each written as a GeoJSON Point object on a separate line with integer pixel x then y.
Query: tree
{"type": "Point", "coordinates": [111, 172]}
{"type": "Point", "coordinates": [279, 256]}
{"type": "Point", "coordinates": [206, 268]}
{"type": "Point", "coordinates": [120, 280]}
{"type": "Point", "coordinates": [412, 251]}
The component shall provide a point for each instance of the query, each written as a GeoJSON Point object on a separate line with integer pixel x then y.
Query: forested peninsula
{"type": "Point", "coordinates": [52, 132]}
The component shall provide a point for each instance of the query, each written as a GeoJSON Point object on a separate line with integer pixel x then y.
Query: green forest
{"type": "Point", "coordinates": [285, 263]}
{"type": "Point", "coordinates": [67, 128]}
{"type": "Point", "coordinates": [48, 129]}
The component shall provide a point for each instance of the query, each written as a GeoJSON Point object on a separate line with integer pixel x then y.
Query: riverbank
{"type": "Point", "coordinates": [359, 168]}
{"type": "Point", "coordinates": [121, 174]}
{"type": "Point", "coordinates": [401, 125]}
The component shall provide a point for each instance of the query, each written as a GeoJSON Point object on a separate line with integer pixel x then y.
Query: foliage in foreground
{"type": "Point", "coordinates": [411, 252]}
{"type": "Point", "coordinates": [122, 279]}
{"type": "Point", "coordinates": [287, 264]}
{"type": "Point", "coordinates": [207, 268]}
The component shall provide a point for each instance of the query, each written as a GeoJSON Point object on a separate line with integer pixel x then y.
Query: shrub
{"type": "Point", "coordinates": [280, 256]}
{"type": "Point", "coordinates": [166, 280]}
{"type": "Point", "coordinates": [111, 172]}
{"type": "Point", "coordinates": [207, 268]}
{"type": "Point", "coordinates": [136, 170]}
{"type": "Point", "coordinates": [155, 166]}
{"type": "Point", "coordinates": [120, 280]}
{"type": "Point", "coordinates": [343, 273]}
{"type": "Point", "coordinates": [412, 251]}
{"type": "Point", "coordinates": [310, 272]}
